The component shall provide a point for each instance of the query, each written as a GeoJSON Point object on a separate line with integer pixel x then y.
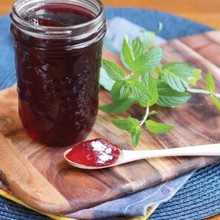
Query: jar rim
{"type": "Point", "coordinates": [95, 24]}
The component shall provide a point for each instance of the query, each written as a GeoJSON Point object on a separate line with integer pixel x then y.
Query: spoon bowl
{"type": "Point", "coordinates": [127, 156]}
{"type": "Point", "coordinates": [82, 166]}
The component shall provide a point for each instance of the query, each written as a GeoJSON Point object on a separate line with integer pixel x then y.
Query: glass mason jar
{"type": "Point", "coordinates": [58, 48]}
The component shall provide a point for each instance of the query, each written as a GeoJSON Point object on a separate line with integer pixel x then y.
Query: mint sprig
{"type": "Point", "coordinates": [147, 83]}
{"type": "Point", "coordinates": [157, 128]}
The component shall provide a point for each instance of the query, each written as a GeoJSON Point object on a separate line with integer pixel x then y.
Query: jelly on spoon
{"type": "Point", "coordinates": [100, 153]}
{"type": "Point", "coordinates": [94, 153]}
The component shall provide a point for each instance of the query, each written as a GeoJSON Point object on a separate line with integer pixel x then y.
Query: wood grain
{"type": "Point", "coordinates": [24, 180]}
{"type": "Point", "coordinates": [52, 186]}
{"type": "Point", "coordinates": [197, 10]}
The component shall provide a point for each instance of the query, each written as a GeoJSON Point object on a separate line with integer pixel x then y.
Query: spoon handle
{"type": "Point", "coordinates": [199, 150]}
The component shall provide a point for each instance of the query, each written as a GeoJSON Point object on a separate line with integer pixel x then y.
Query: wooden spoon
{"type": "Point", "coordinates": [126, 156]}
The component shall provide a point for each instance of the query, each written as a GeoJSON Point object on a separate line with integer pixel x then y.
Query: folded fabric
{"type": "Point", "coordinates": [119, 27]}
{"type": "Point", "coordinates": [136, 204]}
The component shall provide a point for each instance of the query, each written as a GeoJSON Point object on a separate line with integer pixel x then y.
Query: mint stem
{"type": "Point", "coordinates": [217, 95]}
{"type": "Point", "coordinates": [145, 116]}
{"type": "Point", "coordinates": [202, 91]}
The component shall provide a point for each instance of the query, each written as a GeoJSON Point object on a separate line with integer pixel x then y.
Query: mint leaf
{"type": "Point", "coordinates": [128, 124]}
{"type": "Point", "coordinates": [135, 136]}
{"type": "Point", "coordinates": [154, 57]}
{"type": "Point", "coordinates": [167, 97]}
{"type": "Point", "coordinates": [180, 69]}
{"type": "Point", "coordinates": [147, 62]}
{"type": "Point", "coordinates": [157, 128]}
{"type": "Point", "coordinates": [105, 81]}
{"type": "Point", "coordinates": [126, 54]}
{"type": "Point", "coordinates": [114, 71]}
{"type": "Point", "coordinates": [153, 112]}
{"type": "Point", "coordinates": [150, 83]}
{"type": "Point", "coordinates": [158, 71]}
{"type": "Point", "coordinates": [179, 74]}
{"type": "Point", "coordinates": [118, 106]}
{"type": "Point", "coordinates": [138, 89]}
{"type": "Point", "coordinates": [131, 125]}
{"type": "Point", "coordinates": [210, 85]}
{"type": "Point", "coordinates": [137, 48]}
{"type": "Point", "coordinates": [119, 90]}
{"type": "Point", "coordinates": [148, 39]}
{"type": "Point", "coordinates": [192, 80]}
{"type": "Point", "coordinates": [215, 101]}
{"type": "Point", "coordinates": [139, 66]}
{"type": "Point", "coordinates": [175, 82]}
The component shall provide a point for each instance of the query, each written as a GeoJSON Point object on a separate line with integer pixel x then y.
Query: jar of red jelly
{"type": "Point", "coordinates": [58, 47]}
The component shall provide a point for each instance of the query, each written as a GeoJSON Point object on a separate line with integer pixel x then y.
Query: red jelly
{"type": "Point", "coordinates": [97, 153]}
{"type": "Point", "coordinates": [58, 47]}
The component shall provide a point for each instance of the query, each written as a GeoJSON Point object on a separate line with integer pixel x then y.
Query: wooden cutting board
{"type": "Point", "coordinates": [39, 176]}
